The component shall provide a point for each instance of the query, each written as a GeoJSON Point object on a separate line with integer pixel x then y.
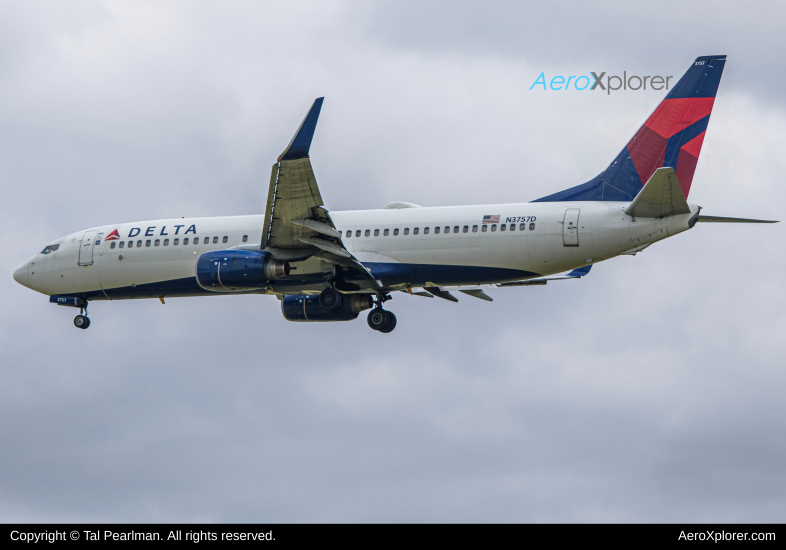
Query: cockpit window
{"type": "Point", "coordinates": [50, 248]}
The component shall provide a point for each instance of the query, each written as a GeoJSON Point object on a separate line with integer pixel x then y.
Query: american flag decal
{"type": "Point", "coordinates": [491, 218]}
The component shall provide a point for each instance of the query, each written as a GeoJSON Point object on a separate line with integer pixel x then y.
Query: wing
{"type": "Point", "coordinates": [476, 291]}
{"type": "Point", "coordinates": [294, 194]}
{"type": "Point", "coordinates": [297, 225]}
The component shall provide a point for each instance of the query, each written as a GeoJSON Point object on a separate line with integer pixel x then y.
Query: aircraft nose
{"type": "Point", "coordinates": [20, 275]}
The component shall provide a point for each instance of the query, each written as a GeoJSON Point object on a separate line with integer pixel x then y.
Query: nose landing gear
{"type": "Point", "coordinates": [82, 321]}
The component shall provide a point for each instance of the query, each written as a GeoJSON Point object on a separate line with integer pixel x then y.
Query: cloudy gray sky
{"type": "Point", "coordinates": [651, 390]}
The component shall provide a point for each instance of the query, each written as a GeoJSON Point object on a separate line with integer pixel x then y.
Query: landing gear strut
{"type": "Point", "coordinates": [82, 321]}
{"type": "Point", "coordinates": [380, 319]}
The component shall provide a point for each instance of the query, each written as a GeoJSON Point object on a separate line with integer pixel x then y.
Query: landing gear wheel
{"type": "Point", "coordinates": [80, 321]}
{"type": "Point", "coordinates": [391, 324]}
{"type": "Point", "coordinates": [377, 318]}
{"type": "Point", "coordinates": [382, 320]}
{"type": "Point", "coordinates": [331, 299]}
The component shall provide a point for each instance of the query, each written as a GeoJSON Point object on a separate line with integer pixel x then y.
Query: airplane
{"type": "Point", "coordinates": [331, 266]}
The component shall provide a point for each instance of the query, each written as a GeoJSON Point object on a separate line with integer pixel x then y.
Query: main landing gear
{"type": "Point", "coordinates": [82, 321]}
{"type": "Point", "coordinates": [380, 319]}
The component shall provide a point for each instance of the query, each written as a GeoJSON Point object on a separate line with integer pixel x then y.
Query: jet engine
{"type": "Point", "coordinates": [304, 307]}
{"type": "Point", "coordinates": [238, 270]}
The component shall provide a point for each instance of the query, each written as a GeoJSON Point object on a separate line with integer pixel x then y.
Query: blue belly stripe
{"type": "Point", "coordinates": [389, 273]}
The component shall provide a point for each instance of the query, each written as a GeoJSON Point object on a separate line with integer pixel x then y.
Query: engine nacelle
{"type": "Point", "coordinates": [305, 307]}
{"type": "Point", "coordinates": [238, 270]}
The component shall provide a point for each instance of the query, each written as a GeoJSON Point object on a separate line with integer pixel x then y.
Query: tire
{"type": "Point", "coordinates": [88, 323]}
{"type": "Point", "coordinates": [377, 318]}
{"type": "Point", "coordinates": [330, 299]}
{"type": "Point", "coordinates": [80, 321]}
{"type": "Point", "coordinates": [391, 324]}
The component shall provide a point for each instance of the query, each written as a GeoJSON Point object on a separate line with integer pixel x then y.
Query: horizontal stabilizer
{"type": "Point", "coordinates": [580, 272]}
{"type": "Point", "coordinates": [720, 219]}
{"type": "Point", "coordinates": [661, 196]}
{"type": "Point", "coordinates": [577, 273]}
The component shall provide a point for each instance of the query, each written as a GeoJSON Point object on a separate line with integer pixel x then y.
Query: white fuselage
{"type": "Point", "coordinates": [543, 242]}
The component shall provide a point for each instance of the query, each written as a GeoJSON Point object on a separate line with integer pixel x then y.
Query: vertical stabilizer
{"type": "Point", "coordinates": [671, 137]}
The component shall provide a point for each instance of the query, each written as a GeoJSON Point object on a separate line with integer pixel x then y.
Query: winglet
{"type": "Point", "coordinates": [301, 142]}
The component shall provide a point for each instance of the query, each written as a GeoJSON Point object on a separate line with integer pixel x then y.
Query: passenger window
{"type": "Point", "coordinates": [225, 239]}
{"type": "Point", "coordinates": [416, 231]}
{"type": "Point", "coordinates": [245, 239]}
{"type": "Point", "coordinates": [522, 227]}
{"type": "Point", "coordinates": [357, 233]}
{"type": "Point", "coordinates": [466, 229]}
{"type": "Point", "coordinates": [425, 230]}
{"type": "Point", "coordinates": [176, 242]}
{"type": "Point", "coordinates": [406, 231]}
{"type": "Point", "coordinates": [147, 243]}
{"type": "Point", "coordinates": [386, 232]}
{"type": "Point", "coordinates": [484, 228]}
{"type": "Point", "coordinates": [130, 244]}
{"type": "Point", "coordinates": [502, 227]}
{"type": "Point", "coordinates": [436, 230]}
{"type": "Point", "coordinates": [349, 233]}
{"type": "Point", "coordinates": [122, 243]}
{"type": "Point", "coordinates": [112, 245]}
{"type": "Point", "coordinates": [513, 227]}
{"type": "Point", "coordinates": [215, 240]}
{"type": "Point", "coordinates": [196, 240]}
{"type": "Point", "coordinates": [474, 228]}
{"type": "Point", "coordinates": [340, 233]}
{"type": "Point", "coordinates": [185, 241]}
{"type": "Point", "coordinates": [139, 244]}
{"type": "Point", "coordinates": [532, 227]}
{"type": "Point", "coordinates": [395, 232]}
{"type": "Point", "coordinates": [368, 232]}
{"type": "Point", "coordinates": [447, 229]}
{"type": "Point", "coordinates": [376, 232]}
{"type": "Point", "coordinates": [166, 242]}
{"type": "Point", "coordinates": [455, 229]}
{"type": "Point", "coordinates": [158, 242]}
{"type": "Point", "coordinates": [493, 227]}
